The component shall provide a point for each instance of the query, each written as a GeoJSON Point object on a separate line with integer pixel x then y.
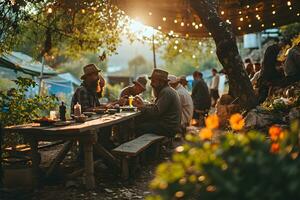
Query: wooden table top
{"type": "Point", "coordinates": [76, 128]}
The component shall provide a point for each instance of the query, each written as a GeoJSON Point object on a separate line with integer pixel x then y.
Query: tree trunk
{"type": "Point", "coordinates": [227, 52]}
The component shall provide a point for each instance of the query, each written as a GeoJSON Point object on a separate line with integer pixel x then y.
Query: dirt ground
{"type": "Point", "coordinates": [108, 185]}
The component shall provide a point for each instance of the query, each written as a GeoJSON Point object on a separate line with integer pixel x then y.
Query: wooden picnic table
{"type": "Point", "coordinates": [87, 133]}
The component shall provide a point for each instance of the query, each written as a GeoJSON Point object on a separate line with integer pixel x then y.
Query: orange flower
{"type": "Point", "coordinates": [205, 134]}
{"type": "Point", "coordinates": [212, 121]}
{"type": "Point", "coordinates": [237, 122]}
{"type": "Point", "coordinates": [275, 148]}
{"type": "Point", "coordinates": [275, 132]}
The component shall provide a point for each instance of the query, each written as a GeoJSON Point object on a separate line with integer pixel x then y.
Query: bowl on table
{"type": "Point", "coordinates": [81, 119]}
{"type": "Point", "coordinates": [89, 114]}
{"type": "Point", "coordinates": [112, 111]}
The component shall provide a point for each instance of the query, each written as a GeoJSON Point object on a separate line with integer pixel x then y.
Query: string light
{"type": "Point", "coordinates": [241, 19]}
{"type": "Point", "coordinates": [250, 25]}
{"type": "Point", "coordinates": [273, 12]}
{"type": "Point", "coordinates": [50, 10]}
{"type": "Point", "coordinates": [176, 41]}
{"type": "Point", "coordinates": [159, 27]}
{"type": "Point", "coordinates": [274, 24]}
{"type": "Point", "coordinates": [193, 24]}
{"type": "Point", "coordinates": [194, 56]}
{"type": "Point", "coordinates": [196, 27]}
{"type": "Point", "coordinates": [150, 13]}
{"type": "Point", "coordinates": [82, 11]}
{"type": "Point", "coordinates": [222, 12]}
{"type": "Point", "coordinates": [175, 47]}
{"type": "Point", "coordinates": [175, 21]}
{"type": "Point", "coordinates": [289, 3]}
{"type": "Point", "coordinates": [164, 19]}
{"type": "Point", "coordinates": [182, 24]}
{"type": "Point", "coordinates": [239, 28]}
{"type": "Point", "coordinates": [291, 8]}
{"type": "Point", "coordinates": [200, 25]}
{"type": "Point", "coordinates": [263, 25]}
{"type": "Point", "coordinates": [180, 50]}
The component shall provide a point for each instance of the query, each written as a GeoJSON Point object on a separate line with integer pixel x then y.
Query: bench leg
{"type": "Point", "coordinates": [89, 165]}
{"type": "Point", "coordinates": [35, 156]}
{"type": "Point", "coordinates": [125, 168]}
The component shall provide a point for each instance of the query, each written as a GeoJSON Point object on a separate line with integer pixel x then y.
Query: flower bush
{"type": "Point", "coordinates": [235, 165]}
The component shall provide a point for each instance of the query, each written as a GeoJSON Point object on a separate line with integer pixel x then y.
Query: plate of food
{"type": "Point", "coordinates": [128, 109]}
{"type": "Point", "coordinates": [99, 110]}
{"type": "Point", "coordinates": [63, 123]}
{"type": "Point", "coordinates": [45, 121]}
{"type": "Point", "coordinates": [89, 114]}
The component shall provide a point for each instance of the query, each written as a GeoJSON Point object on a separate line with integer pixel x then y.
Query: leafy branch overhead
{"type": "Point", "coordinates": [60, 27]}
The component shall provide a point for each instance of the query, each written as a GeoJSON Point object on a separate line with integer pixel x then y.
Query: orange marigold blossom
{"type": "Point", "coordinates": [275, 148]}
{"type": "Point", "coordinates": [237, 122]}
{"type": "Point", "coordinates": [212, 121]}
{"type": "Point", "coordinates": [275, 132]}
{"type": "Point", "coordinates": [205, 134]}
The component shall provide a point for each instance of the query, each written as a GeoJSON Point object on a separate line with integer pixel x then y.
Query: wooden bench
{"type": "Point", "coordinates": [135, 147]}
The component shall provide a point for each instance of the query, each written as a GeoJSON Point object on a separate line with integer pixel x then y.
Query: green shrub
{"type": "Point", "coordinates": [17, 109]}
{"type": "Point", "coordinates": [234, 166]}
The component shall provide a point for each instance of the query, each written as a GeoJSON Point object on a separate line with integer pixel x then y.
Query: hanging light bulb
{"type": "Point", "coordinates": [196, 27]}
{"type": "Point", "coordinates": [150, 13]}
{"type": "Point", "coordinates": [182, 24]}
{"type": "Point", "coordinates": [49, 10]}
{"type": "Point", "coordinates": [175, 47]}
{"type": "Point", "coordinates": [180, 50]}
{"type": "Point", "coordinates": [241, 19]}
{"type": "Point", "coordinates": [164, 19]}
{"type": "Point", "coordinates": [194, 56]}
{"type": "Point", "coordinates": [159, 27]}
{"type": "Point", "coordinates": [222, 12]}
{"type": "Point", "coordinates": [289, 3]}
{"type": "Point", "coordinates": [176, 41]}
{"type": "Point", "coordinates": [273, 12]}
{"type": "Point", "coordinates": [175, 21]}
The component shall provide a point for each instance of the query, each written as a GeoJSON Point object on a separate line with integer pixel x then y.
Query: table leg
{"type": "Point", "coordinates": [88, 143]}
{"type": "Point", "coordinates": [89, 165]}
{"type": "Point", "coordinates": [35, 156]}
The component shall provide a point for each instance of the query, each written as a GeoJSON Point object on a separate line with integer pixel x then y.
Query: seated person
{"type": "Point", "coordinates": [186, 101]}
{"type": "Point", "coordinates": [162, 117]}
{"type": "Point", "coordinates": [292, 65]}
{"type": "Point", "coordinates": [138, 87]}
{"type": "Point", "coordinates": [88, 94]}
{"type": "Point", "coordinates": [269, 75]}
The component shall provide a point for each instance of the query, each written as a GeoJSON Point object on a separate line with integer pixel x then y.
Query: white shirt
{"type": "Point", "coordinates": [187, 106]}
{"type": "Point", "coordinates": [215, 82]}
{"type": "Point", "coordinates": [255, 78]}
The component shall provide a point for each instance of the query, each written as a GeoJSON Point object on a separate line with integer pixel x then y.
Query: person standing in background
{"type": "Point", "coordinates": [186, 101]}
{"type": "Point", "coordinates": [214, 87]}
{"type": "Point", "coordinates": [249, 67]}
{"type": "Point", "coordinates": [201, 99]}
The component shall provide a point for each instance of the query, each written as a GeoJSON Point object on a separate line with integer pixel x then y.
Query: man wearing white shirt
{"type": "Point", "coordinates": [185, 101]}
{"type": "Point", "coordinates": [214, 87]}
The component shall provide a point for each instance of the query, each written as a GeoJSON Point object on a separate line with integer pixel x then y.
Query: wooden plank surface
{"type": "Point", "coordinates": [77, 128]}
{"type": "Point", "coordinates": [133, 147]}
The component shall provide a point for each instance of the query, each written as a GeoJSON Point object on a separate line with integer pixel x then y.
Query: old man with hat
{"type": "Point", "coordinates": [138, 87]}
{"type": "Point", "coordinates": [88, 94]}
{"type": "Point", "coordinates": [164, 115]}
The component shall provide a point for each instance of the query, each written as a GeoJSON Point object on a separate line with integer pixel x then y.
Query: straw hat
{"type": "Point", "coordinates": [172, 79]}
{"type": "Point", "coordinates": [142, 81]}
{"type": "Point", "coordinates": [89, 69]}
{"type": "Point", "coordinates": [161, 74]}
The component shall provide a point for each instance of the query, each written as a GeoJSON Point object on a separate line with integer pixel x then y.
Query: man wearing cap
{"type": "Point", "coordinates": [186, 101]}
{"type": "Point", "coordinates": [88, 94]}
{"type": "Point", "coordinates": [138, 87]}
{"type": "Point", "coordinates": [162, 117]}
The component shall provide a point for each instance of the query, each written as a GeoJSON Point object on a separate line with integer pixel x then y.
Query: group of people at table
{"type": "Point", "coordinates": [272, 72]}
{"type": "Point", "coordinates": [169, 114]}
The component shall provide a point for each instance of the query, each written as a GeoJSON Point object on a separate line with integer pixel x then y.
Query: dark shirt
{"type": "Point", "coordinates": [269, 72]}
{"type": "Point", "coordinates": [200, 95]}
{"type": "Point", "coordinates": [86, 98]}
{"type": "Point", "coordinates": [166, 110]}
